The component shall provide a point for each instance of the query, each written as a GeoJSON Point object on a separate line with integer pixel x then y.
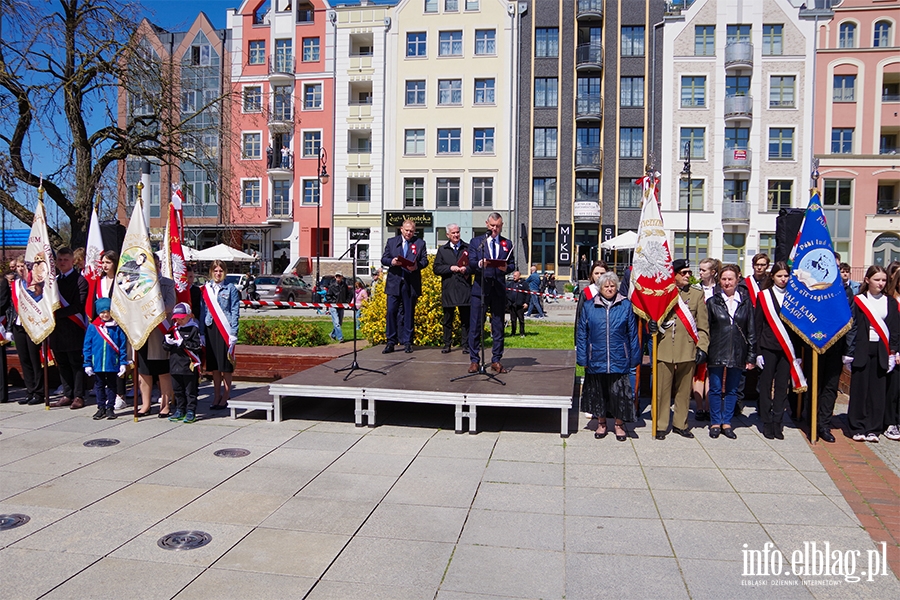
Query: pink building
{"type": "Point", "coordinates": [857, 127]}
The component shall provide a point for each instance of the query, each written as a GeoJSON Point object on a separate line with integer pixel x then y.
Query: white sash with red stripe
{"type": "Point", "coordinates": [14, 288]}
{"type": "Point", "coordinates": [219, 317]}
{"type": "Point", "coordinates": [684, 313]}
{"type": "Point", "coordinates": [754, 289]}
{"type": "Point", "coordinates": [79, 319]}
{"type": "Point", "coordinates": [100, 324]}
{"type": "Point", "coordinates": [772, 317]}
{"type": "Point", "coordinates": [877, 323]}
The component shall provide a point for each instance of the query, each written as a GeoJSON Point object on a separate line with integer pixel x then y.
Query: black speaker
{"type": "Point", "coordinates": [113, 235]}
{"type": "Point", "coordinates": [787, 226]}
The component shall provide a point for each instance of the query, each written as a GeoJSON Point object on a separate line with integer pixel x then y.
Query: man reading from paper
{"type": "Point", "coordinates": [405, 256]}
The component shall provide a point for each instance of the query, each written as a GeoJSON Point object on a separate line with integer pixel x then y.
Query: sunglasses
{"type": "Point", "coordinates": [686, 272]}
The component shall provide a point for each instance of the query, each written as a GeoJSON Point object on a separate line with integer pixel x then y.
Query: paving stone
{"type": "Point", "coordinates": [591, 576]}
{"type": "Point", "coordinates": [152, 500]}
{"type": "Point", "coordinates": [716, 579]}
{"type": "Point", "coordinates": [349, 486]}
{"type": "Point", "coordinates": [279, 551]}
{"type": "Point", "coordinates": [346, 590]}
{"type": "Point", "coordinates": [533, 531]}
{"type": "Point", "coordinates": [322, 440]}
{"type": "Point", "coordinates": [684, 478]}
{"type": "Point", "coordinates": [228, 506]}
{"type": "Point", "coordinates": [520, 498]}
{"type": "Point", "coordinates": [528, 447]}
{"type": "Point", "coordinates": [750, 459]}
{"type": "Point", "coordinates": [33, 573]}
{"type": "Point", "coordinates": [787, 482]}
{"type": "Point", "coordinates": [122, 467]}
{"type": "Point", "coordinates": [718, 506]}
{"type": "Point", "coordinates": [40, 517]}
{"type": "Point", "coordinates": [803, 461]}
{"type": "Point", "coordinates": [504, 471]}
{"type": "Point", "coordinates": [323, 515]}
{"type": "Point", "coordinates": [385, 443]}
{"type": "Point", "coordinates": [599, 502]}
{"type": "Point", "coordinates": [433, 490]}
{"type": "Point", "coordinates": [605, 476]}
{"type": "Point", "coordinates": [411, 522]}
{"type": "Point", "coordinates": [660, 456]}
{"type": "Point", "coordinates": [797, 510]}
{"type": "Point", "coordinates": [54, 462]}
{"type": "Point", "coordinates": [790, 538]}
{"type": "Point", "coordinates": [71, 492]}
{"type": "Point", "coordinates": [87, 531]}
{"type": "Point", "coordinates": [145, 548]}
{"type": "Point", "coordinates": [452, 445]}
{"type": "Point", "coordinates": [223, 583]}
{"type": "Point", "coordinates": [13, 482]}
{"type": "Point", "coordinates": [460, 468]}
{"type": "Point", "coordinates": [515, 572]}
{"type": "Point", "coordinates": [116, 578]}
{"type": "Point", "coordinates": [271, 481]}
{"type": "Point", "coordinates": [298, 458]}
{"type": "Point", "coordinates": [602, 452]}
{"type": "Point", "coordinates": [620, 536]}
{"type": "Point", "coordinates": [402, 563]}
{"type": "Point", "coordinates": [713, 540]}
{"type": "Point", "coordinates": [199, 473]}
{"type": "Point", "coordinates": [365, 463]}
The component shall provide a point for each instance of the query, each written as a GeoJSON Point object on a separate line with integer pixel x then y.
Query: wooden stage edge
{"type": "Point", "coordinates": [536, 379]}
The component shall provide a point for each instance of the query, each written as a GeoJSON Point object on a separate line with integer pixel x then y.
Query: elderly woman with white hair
{"type": "Point", "coordinates": [606, 343]}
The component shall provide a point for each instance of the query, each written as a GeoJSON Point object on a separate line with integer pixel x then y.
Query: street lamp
{"type": "Point", "coordinates": [686, 176]}
{"type": "Point", "coordinates": [321, 178]}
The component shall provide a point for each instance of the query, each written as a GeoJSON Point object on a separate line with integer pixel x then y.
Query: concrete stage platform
{"type": "Point", "coordinates": [536, 379]}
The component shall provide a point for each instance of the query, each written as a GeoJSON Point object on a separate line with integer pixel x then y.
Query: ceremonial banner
{"type": "Point", "coordinates": [815, 304]}
{"type": "Point", "coordinates": [137, 305]}
{"type": "Point", "coordinates": [173, 264]}
{"type": "Point", "coordinates": [93, 269]}
{"type": "Point", "coordinates": [36, 306]}
{"type": "Point", "coordinates": [652, 290]}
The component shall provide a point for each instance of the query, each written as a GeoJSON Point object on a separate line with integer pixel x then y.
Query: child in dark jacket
{"type": "Point", "coordinates": [105, 357]}
{"type": "Point", "coordinates": [183, 344]}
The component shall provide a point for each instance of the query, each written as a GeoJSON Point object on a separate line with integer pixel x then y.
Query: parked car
{"type": "Point", "coordinates": [239, 280]}
{"type": "Point", "coordinates": [283, 286]}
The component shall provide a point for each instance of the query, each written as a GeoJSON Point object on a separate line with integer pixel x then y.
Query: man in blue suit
{"type": "Point", "coordinates": [492, 296]}
{"type": "Point", "coordinates": [403, 285]}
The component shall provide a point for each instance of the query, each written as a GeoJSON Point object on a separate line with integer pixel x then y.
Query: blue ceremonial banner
{"type": "Point", "coordinates": [815, 304]}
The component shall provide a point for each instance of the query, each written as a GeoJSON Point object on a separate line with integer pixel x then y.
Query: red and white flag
{"type": "Point", "coordinates": [93, 268]}
{"type": "Point", "coordinates": [174, 265]}
{"type": "Point", "coordinates": [652, 291]}
{"type": "Point", "coordinates": [178, 205]}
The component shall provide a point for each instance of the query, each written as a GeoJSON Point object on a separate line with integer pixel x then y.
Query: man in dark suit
{"type": "Point", "coordinates": [67, 339]}
{"type": "Point", "coordinates": [491, 293]}
{"type": "Point", "coordinates": [403, 285]}
{"type": "Point", "coordinates": [456, 286]}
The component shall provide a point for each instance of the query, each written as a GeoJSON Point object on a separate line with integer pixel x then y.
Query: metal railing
{"type": "Point", "coordinates": [589, 105]}
{"type": "Point", "coordinates": [280, 209]}
{"type": "Point", "coordinates": [589, 55]}
{"type": "Point", "coordinates": [281, 63]}
{"type": "Point", "coordinates": [359, 198]}
{"type": "Point", "coordinates": [737, 159]}
{"type": "Point", "coordinates": [739, 53]}
{"type": "Point", "coordinates": [589, 8]}
{"type": "Point", "coordinates": [588, 157]}
{"type": "Point", "coordinates": [735, 211]}
{"type": "Point", "coordinates": [738, 106]}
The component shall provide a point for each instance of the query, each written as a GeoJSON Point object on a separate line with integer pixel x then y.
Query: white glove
{"type": "Point", "coordinates": [760, 362]}
{"type": "Point", "coordinates": [89, 371]}
{"type": "Point", "coordinates": [847, 360]}
{"type": "Point", "coordinates": [8, 336]}
{"type": "Point", "coordinates": [172, 340]}
{"type": "Point", "coordinates": [232, 340]}
{"type": "Point", "coordinates": [892, 362]}
{"type": "Point", "coordinates": [122, 370]}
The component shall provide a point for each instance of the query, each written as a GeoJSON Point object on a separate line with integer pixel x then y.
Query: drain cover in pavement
{"type": "Point", "coordinates": [231, 453]}
{"type": "Point", "coordinates": [184, 540]}
{"type": "Point", "coordinates": [101, 443]}
{"type": "Point", "coordinates": [12, 521]}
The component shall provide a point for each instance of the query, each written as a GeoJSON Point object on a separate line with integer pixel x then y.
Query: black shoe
{"type": "Point", "coordinates": [705, 416]}
{"type": "Point", "coordinates": [826, 436]}
{"type": "Point", "coordinates": [445, 350]}
{"type": "Point", "coordinates": [110, 414]}
{"type": "Point", "coordinates": [465, 350]}
{"type": "Point", "coordinates": [408, 348]}
{"type": "Point", "coordinates": [26, 399]}
{"type": "Point", "coordinates": [388, 348]}
{"type": "Point", "coordinates": [685, 433]}
{"type": "Point", "coordinates": [36, 400]}
{"type": "Point", "coordinates": [729, 433]}
{"type": "Point", "coordinates": [660, 435]}
{"type": "Point", "coordinates": [100, 414]}
{"type": "Point", "coordinates": [714, 432]}
{"type": "Point", "coordinates": [778, 431]}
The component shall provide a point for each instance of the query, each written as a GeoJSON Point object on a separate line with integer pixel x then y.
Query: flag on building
{"type": "Point", "coordinates": [173, 264]}
{"type": "Point", "coordinates": [137, 304]}
{"type": "Point", "coordinates": [815, 304]}
{"type": "Point", "coordinates": [36, 307]}
{"type": "Point", "coordinates": [93, 267]}
{"type": "Point", "coordinates": [652, 291]}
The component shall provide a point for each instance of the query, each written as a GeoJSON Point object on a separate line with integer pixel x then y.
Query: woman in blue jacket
{"type": "Point", "coordinates": [219, 316]}
{"type": "Point", "coordinates": [606, 342]}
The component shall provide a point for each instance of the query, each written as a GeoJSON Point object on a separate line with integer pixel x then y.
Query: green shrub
{"type": "Point", "coordinates": [293, 333]}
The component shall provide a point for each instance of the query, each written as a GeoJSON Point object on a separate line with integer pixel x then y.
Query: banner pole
{"type": "Point", "coordinates": [814, 406]}
{"type": "Point", "coordinates": [134, 383]}
{"type": "Point", "coordinates": [46, 348]}
{"type": "Point", "coordinates": [653, 400]}
{"type": "Point", "coordinates": [799, 395]}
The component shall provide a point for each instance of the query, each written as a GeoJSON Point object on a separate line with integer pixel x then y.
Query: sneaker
{"type": "Point", "coordinates": [859, 437]}
{"type": "Point", "coordinates": [872, 438]}
{"type": "Point", "coordinates": [100, 414]}
{"type": "Point", "coordinates": [892, 433]}
{"type": "Point", "coordinates": [178, 416]}
{"type": "Point", "coordinates": [190, 417]}
{"type": "Point", "coordinates": [120, 403]}
{"type": "Point", "coordinates": [111, 413]}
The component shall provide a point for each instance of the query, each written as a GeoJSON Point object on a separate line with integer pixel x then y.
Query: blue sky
{"type": "Point", "coordinates": [177, 15]}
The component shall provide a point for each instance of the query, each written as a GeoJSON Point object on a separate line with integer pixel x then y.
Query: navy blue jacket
{"type": "Point", "coordinates": [493, 278]}
{"type": "Point", "coordinates": [396, 274]}
{"type": "Point", "coordinates": [606, 339]}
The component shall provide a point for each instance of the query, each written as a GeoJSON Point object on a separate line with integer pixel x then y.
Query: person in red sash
{"type": "Point", "coordinates": [67, 338]}
{"type": "Point", "coordinates": [29, 352]}
{"type": "Point", "coordinates": [219, 325]}
{"type": "Point", "coordinates": [892, 406]}
{"type": "Point", "coordinates": [709, 277]}
{"type": "Point", "coordinates": [105, 357]}
{"type": "Point", "coordinates": [872, 346]}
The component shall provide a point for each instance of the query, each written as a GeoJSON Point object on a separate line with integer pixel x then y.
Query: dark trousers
{"type": "Point", "coordinates": [892, 403]}
{"type": "Point", "coordinates": [30, 359]}
{"type": "Point", "coordinates": [868, 391]}
{"type": "Point", "coordinates": [71, 372]}
{"type": "Point", "coordinates": [105, 389]}
{"type": "Point", "coordinates": [184, 388]}
{"type": "Point", "coordinates": [476, 327]}
{"type": "Point", "coordinates": [399, 326]}
{"type": "Point", "coordinates": [777, 370]}
{"type": "Point", "coordinates": [517, 315]}
{"type": "Point", "coordinates": [4, 390]}
{"type": "Point", "coordinates": [830, 369]}
{"type": "Point", "coordinates": [447, 323]}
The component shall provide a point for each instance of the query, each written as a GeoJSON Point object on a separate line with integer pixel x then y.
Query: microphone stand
{"type": "Point", "coordinates": [482, 368]}
{"type": "Point", "coordinates": [354, 366]}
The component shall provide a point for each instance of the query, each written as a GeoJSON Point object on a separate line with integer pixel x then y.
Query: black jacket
{"type": "Point", "coordinates": [68, 336]}
{"type": "Point", "coordinates": [765, 337]}
{"type": "Point", "coordinates": [516, 293]}
{"type": "Point", "coordinates": [732, 343]}
{"type": "Point", "coordinates": [338, 291]}
{"type": "Point", "coordinates": [179, 361]}
{"type": "Point", "coordinates": [456, 288]}
{"type": "Point", "coordinates": [858, 336]}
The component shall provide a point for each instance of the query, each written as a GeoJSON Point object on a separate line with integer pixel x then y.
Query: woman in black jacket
{"type": "Point", "coordinates": [732, 340]}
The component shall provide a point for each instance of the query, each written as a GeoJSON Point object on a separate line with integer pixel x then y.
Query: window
{"type": "Point", "coordinates": [281, 197]}
{"type": "Point", "coordinates": [632, 92]}
{"type": "Point", "coordinates": [882, 35]}
{"type": "Point", "coordinates": [201, 55]}
{"type": "Point", "coordinates": [733, 251]}
{"type": "Point", "coordinates": [773, 40]}
{"type": "Point", "coordinates": [484, 91]}
{"type": "Point", "coordinates": [737, 138]}
{"type": "Point", "coordinates": [311, 49]}
{"type": "Point", "coordinates": [630, 194]}
{"type": "Point", "coordinates": [482, 192]}
{"type": "Point", "coordinates": [587, 147]}
{"type": "Point", "coordinates": [449, 141]}
{"type": "Point", "coordinates": [737, 33]}
{"type": "Point", "coordinates": [781, 91]}
{"type": "Point", "coordinates": [697, 193]}
{"type": "Point", "coordinates": [447, 192]}
{"type": "Point", "coordinates": [781, 143]}
{"type": "Point", "coordinates": [780, 194]}
{"type": "Point", "coordinates": [312, 96]}
{"type": "Point", "coordinates": [431, 6]}
{"type": "Point", "coordinates": [693, 91]}
{"type": "Point", "coordinates": [737, 85]}
{"type": "Point", "coordinates": [413, 192]}
{"type": "Point", "coordinates": [471, 4]}
{"type": "Point", "coordinates": [310, 191]}
{"type": "Point", "coordinates": [633, 41]}
{"type": "Point", "coordinates": [252, 146]}
{"type": "Point", "coordinates": [631, 142]}
{"type": "Point", "coordinates": [415, 93]}
{"type": "Point", "coordinates": [546, 42]}
{"type": "Point", "coordinates": [767, 243]}
{"type": "Point", "coordinates": [543, 248]}
{"type": "Point", "coordinates": [587, 189]}
{"type": "Point", "coordinates": [450, 43]}
{"type": "Point", "coordinates": [188, 101]}
{"type": "Point", "coordinates": [250, 192]}
{"type": "Point", "coordinates": [485, 41]}
{"type": "Point", "coordinates": [545, 92]}
{"type": "Point", "coordinates": [312, 142]}
{"type": "Point", "coordinates": [705, 40]}
{"type": "Point", "coordinates": [484, 140]}
{"type": "Point", "coordinates": [449, 92]}
{"type": "Point", "coordinates": [887, 143]}
{"type": "Point", "coordinates": [844, 88]}
{"type": "Point", "coordinates": [256, 53]}
{"type": "Point", "coordinates": [735, 190]}
{"type": "Point", "coordinates": [415, 142]}
{"type": "Point", "coordinates": [842, 141]}
{"type": "Point", "coordinates": [544, 192]}
{"type": "Point", "coordinates": [847, 35]}
{"type": "Point", "coordinates": [451, 5]}
{"type": "Point", "coordinates": [696, 137]}
{"type": "Point", "coordinates": [281, 102]}
{"type": "Point", "coordinates": [252, 99]}
{"type": "Point", "coordinates": [699, 246]}
{"type": "Point", "coordinates": [284, 56]}
{"type": "Point", "coordinates": [415, 44]}
{"type": "Point", "coordinates": [837, 206]}
{"type": "Point", "coordinates": [545, 142]}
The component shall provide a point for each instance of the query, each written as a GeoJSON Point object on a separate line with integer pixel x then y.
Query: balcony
{"type": "Point", "coordinates": [280, 120]}
{"type": "Point", "coordinates": [589, 56]}
{"type": "Point", "coordinates": [589, 9]}
{"type": "Point", "coordinates": [282, 166]}
{"type": "Point", "coordinates": [588, 159]}
{"type": "Point", "coordinates": [737, 160]}
{"type": "Point", "coordinates": [738, 55]}
{"type": "Point", "coordinates": [589, 107]}
{"type": "Point", "coordinates": [281, 69]}
{"type": "Point", "coordinates": [738, 107]}
{"type": "Point", "coordinates": [280, 211]}
{"type": "Point", "coordinates": [735, 212]}
{"type": "Point", "coordinates": [359, 198]}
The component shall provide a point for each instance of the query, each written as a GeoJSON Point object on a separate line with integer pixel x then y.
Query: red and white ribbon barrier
{"type": "Point", "coordinates": [285, 304]}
